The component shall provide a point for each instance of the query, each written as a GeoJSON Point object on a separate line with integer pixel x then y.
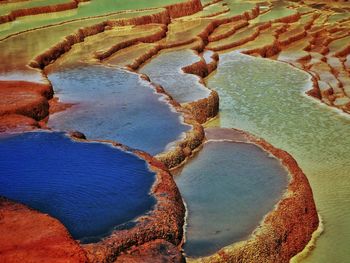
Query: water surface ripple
{"type": "Point", "coordinates": [114, 104]}
{"type": "Point", "coordinates": [91, 188]}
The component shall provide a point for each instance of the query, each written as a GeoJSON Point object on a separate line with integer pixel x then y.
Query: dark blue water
{"type": "Point", "coordinates": [90, 187]}
{"type": "Point", "coordinates": [228, 188]}
{"type": "Point", "coordinates": [116, 105]}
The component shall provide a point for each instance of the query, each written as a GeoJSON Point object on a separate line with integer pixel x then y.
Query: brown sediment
{"type": "Point", "coordinates": [17, 123]}
{"type": "Point", "coordinates": [289, 38]}
{"type": "Point", "coordinates": [25, 98]}
{"type": "Point", "coordinates": [64, 46]}
{"type": "Point", "coordinates": [186, 8]}
{"type": "Point", "coordinates": [211, 3]}
{"type": "Point", "coordinates": [158, 251]}
{"type": "Point", "coordinates": [177, 154]}
{"type": "Point", "coordinates": [38, 10]}
{"type": "Point", "coordinates": [146, 39]}
{"type": "Point", "coordinates": [203, 109]}
{"type": "Point", "coordinates": [288, 19]}
{"type": "Point", "coordinates": [29, 236]}
{"type": "Point", "coordinates": [237, 43]}
{"type": "Point", "coordinates": [233, 27]}
{"type": "Point", "coordinates": [146, 56]}
{"type": "Point", "coordinates": [287, 229]}
{"type": "Point", "coordinates": [164, 222]}
{"type": "Point", "coordinates": [56, 106]}
{"type": "Point", "coordinates": [315, 91]}
{"type": "Point", "coordinates": [208, 107]}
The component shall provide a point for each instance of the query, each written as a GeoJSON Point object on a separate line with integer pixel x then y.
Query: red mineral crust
{"type": "Point", "coordinates": [17, 123]}
{"type": "Point", "coordinates": [158, 251]}
{"type": "Point", "coordinates": [185, 8]}
{"type": "Point", "coordinates": [29, 236]}
{"type": "Point", "coordinates": [23, 98]}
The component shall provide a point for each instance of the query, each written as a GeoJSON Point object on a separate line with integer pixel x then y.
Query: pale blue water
{"type": "Point", "coordinates": [113, 104]}
{"type": "Point", "coordinates": [91, 188]}
{"type": "Point", "coordinates": [267, 99]}
{"type": "Point", "coordinates": [228, 188]}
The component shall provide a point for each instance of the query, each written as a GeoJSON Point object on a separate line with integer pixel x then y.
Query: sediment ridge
{"type": "Point", "coordinates": [72, 4]}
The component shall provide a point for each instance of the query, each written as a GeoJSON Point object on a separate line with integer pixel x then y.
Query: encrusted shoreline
{"type": "Point", "coordinates": [164, 222]}
{"type": "Point", "coordinates": [284, 231]}
{"type": "Point", "coordinates": [287, 229]}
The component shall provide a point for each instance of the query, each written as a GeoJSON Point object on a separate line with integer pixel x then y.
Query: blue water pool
{"type": "Point", "coordinates": [116, 105]}
{"type": "Point", "coordinates": [92, 188]}
{"type": "Point", "coordinates": [228, 188]}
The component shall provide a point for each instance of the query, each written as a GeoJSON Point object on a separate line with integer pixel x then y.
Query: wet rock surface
{"type": "Point", "coordinates": [158, 251]}
{"type": "Point", "coordinates": [310, 36]}
{"type": "Point", "coordinates": [29, 236]}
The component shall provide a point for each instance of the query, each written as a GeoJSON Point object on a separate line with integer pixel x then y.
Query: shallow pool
{"type": "Point", "coordinates": [114, 104]}
{"type": "Point", "coordinates": [166, 70]}
{"type": "Point", "coordinates": [228, 188]}
{"type": "Point", "coordinates": [267, 98]}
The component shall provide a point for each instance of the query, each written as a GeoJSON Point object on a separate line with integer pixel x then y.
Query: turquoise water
{"type": "Point", "coordinates": [92, 188]}
{"type": "Point", "coordinates": [113, 104]}
{"type": "Point", "coordinates": [267, 99]}
{"type": "Point", "coordinates": [228, 188]}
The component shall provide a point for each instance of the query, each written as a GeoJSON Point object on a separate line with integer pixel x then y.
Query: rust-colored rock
{"type": "Point", "coordinates": [29, 236]}
{"type": "Point", "coordinates": [25, 98]}
{"type": "Point", "coordinates": [185, 8]}
{"type": "Point", "coordinates": [38, 10]}
{"type": "Point", "coordinates": [17, 123]}
{"type": "Point", "coordinates": [158, 251]}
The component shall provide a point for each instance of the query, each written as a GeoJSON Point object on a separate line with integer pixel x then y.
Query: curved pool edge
{"type": "Point", "coordinates": [287, 229]}
{"type": "Point", "coordinates": [163, 222]}
{"type": "Point", "coordinates": [38, 236]}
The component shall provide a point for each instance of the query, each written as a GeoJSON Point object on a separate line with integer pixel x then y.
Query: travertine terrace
{"type": "Point", "coordinates": [174, 47]}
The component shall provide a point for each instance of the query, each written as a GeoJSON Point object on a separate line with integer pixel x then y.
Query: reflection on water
{"type": "Point", "coordinates": [90, 187]}
{"type": "Point", "coordinates": [115, 105]}
{"type": "Point", "coordinates": [267, 99]}
{"type": "Point", "coordinates": [228, 188]}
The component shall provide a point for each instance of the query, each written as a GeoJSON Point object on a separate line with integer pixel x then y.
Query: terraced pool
{"type": "Point", "coordinates": [228, 188]}
{"type": "Point", "coordinates": [117, 105]}
{"type": "Point", "coordinates": [267, 98]}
